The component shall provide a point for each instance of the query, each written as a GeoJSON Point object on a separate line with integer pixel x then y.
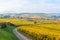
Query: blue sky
{"type": "Point", "coordinates": [31, 6]}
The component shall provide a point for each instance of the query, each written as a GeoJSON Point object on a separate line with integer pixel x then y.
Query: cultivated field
{"type": "Point", "coordinates": [40, 30]}
{"type": "Point", "coordinates": [7, 33]}
{"type": "Point", "coordinates": [49, 30]}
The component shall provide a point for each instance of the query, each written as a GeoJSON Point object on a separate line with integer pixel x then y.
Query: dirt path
{"type": "Point", "coordinates": [19, 35]}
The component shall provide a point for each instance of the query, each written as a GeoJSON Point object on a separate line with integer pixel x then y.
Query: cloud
{"type": "Point", "coordinates": [16, 6]}
{"type": "Point", "coordinates": [47, 7]}
{"type": "Point", "coordinates": [10, 5]}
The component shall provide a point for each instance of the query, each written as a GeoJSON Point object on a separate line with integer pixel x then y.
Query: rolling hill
{"type": "Point", "coordinates": [30, 15]}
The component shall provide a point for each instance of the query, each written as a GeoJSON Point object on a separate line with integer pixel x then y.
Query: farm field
{"type": "Point", "coordinates": [17, 21]}
{"type": "Point", "coordinates": [38, 31]}
{"type": "Point", "coordinates": [41, 31]}
{"type": "Point", "coordinates": [7, 33]}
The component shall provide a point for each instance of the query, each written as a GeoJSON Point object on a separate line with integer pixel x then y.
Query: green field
{"type": "Point", "coordinates": [7, 34]}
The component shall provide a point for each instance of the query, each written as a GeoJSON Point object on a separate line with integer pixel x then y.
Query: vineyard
{"type": "Point", "coordinates": [41, 33]}
{"type": "Point", "coordinates": [43, 30]}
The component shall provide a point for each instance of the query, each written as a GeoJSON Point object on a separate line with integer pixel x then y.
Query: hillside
{"type": "Point", "coordinates": [30, 15]}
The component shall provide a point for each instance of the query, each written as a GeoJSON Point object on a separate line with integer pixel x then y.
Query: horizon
{"type": "Point", "coordinates": [28, 13]}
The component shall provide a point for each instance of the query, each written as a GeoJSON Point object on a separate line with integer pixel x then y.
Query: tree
{"type": "Point", "coordinates": [35, 22]}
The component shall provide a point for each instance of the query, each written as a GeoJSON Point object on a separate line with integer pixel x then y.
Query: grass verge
{"type": "Point", "coordinates": [7, 33]}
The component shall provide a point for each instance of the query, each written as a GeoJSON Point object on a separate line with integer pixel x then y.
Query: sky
{"type": "Point", "coordinates": [29, 6]}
